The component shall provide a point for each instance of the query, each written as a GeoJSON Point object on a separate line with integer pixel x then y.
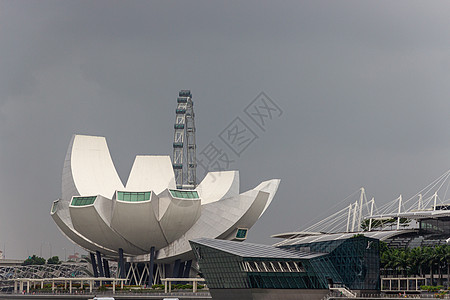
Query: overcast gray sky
{"type": "Point", "coordinates": [363, 86]}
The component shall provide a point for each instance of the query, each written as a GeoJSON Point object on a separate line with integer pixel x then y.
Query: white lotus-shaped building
{"type": "Point", "coordinates": [99, 213]}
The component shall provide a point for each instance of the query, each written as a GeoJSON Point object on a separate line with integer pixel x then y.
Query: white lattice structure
{"type": "Point", "coordinates": [48, 271]}
{"type": "Point", "coordinates": [357, 214]}
{"type": "Point", "coordinates": [184, 146]}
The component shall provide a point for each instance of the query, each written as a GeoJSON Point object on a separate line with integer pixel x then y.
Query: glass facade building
{"type": "Point", "coordinates": [356, 259]}
{"type": "Point", "coordinates": [233, 265]}
{"type": "Point", "coordinates": [436, 227]}
{"type": "Point", "coordinates": [430, 233]}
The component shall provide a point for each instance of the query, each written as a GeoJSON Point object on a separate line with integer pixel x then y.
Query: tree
{"type": "Point", "coordinates": [447, 261]}
{"type": "Point", "coordinates": [34, 260]}
{"type": "Point", "coordinates": [431, 258]}
{"type": "Point", "coordinates": [53, 260]}
{"type": "Point", "coordinates": [403, 259]}
{"type": "Point", "coordinates": [417, 259]}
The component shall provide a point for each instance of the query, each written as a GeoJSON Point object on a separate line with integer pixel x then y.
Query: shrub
{"type": "Point", "coordinates": [158, 286]}
{"type": "Point", "coordinates": [102, 288]}
{"type": "Point", "coordinates": [430, 288]}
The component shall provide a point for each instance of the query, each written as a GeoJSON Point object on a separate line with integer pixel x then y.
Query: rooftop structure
{"type": "Point", "coordinates": [421, 220]}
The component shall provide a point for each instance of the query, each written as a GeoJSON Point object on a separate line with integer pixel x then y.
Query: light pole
{"type": "Point", "coordinates": [65, 254]}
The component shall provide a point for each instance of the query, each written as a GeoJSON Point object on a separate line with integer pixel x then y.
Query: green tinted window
{"type": "Point", "coordinates": [83, 201]}
{"type": "Point", "coordinates": [184, 194]}
{"type": "Point", "coordinates": [133, 196]}
{"type": "Point", "coordinates": [241, 233]}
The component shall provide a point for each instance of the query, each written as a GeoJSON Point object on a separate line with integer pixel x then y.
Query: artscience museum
{"type": "Point", "coordinates": [149, 214]}
{"type": "Point", "coordinates": [146, 224]}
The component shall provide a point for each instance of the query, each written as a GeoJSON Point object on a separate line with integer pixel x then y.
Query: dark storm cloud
{"type": "Point", "coordinates": [363, 87]}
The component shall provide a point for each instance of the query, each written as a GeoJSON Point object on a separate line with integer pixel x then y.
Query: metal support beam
{"type": "Point", "coordinates": [354, 216]}
{"type": "Point", "coordinates": [419, 206]}
{"type": "Point", "coordinates": [361, 200]}
{"type": "Point", "coordinates": [99, 263]}
{"type": "Point", "coordinates": [94, 264]}
{"type": "Point", "coordinates": [187, 269]}
{"type": "Point", "coordinates": [167, 270]}
{"type": "Point", "coordinates": [399, 210]}
{"type": "Point", "coordinates": [348, 217]}
{"type": "Point", "coordinates": [181, 270]}
{"type": "Point", "coordinates": [434, 200]}
{"type": "Point", "coordinates": [106, 267]}
{"type": "Point", "coordinates": [150, 268]}
{"type": "Point", "coordinates": [371, 213]}
{"type": "Point", "coordinates": [121, 264]}
{"type": "Point", "coordinates": [176, 268]}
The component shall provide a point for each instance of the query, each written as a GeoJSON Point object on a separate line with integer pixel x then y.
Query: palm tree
{"type": "Point", "coordinates": [416, 260]}
{"type": "Point", "coordinates": [403, 260]}
{"type": "Point", "coordinates": [447, 261]}
{"type": "Point", "coordinates": [389, 261]}
{"type": "Point", "coordinates": [431, 259]}
{"type": "Point", "coordinates": [441, 260]}
{"type": "Point", "coordinates": [421, 260]}
{"type": "Point", "coordinates": [396, 260]}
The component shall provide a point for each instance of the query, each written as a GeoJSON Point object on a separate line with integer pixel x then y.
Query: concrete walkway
{"type": "Point", "coordinates": [128, 296]}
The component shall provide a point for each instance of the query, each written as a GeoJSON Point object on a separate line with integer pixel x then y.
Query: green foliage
{"type": "Point", "coordinates": [33, 260]}
{"type": "Point", "coordinates": [357, 235]}
{"type": "Point", "coordinates": [383, 246]}
{"type": "Point", "coordinates": [102, 288]}
{"type": "Point", "coordinates": [430, 288]}
{"type": "Point", "coordinates": [417, 261]}
{"type": "Point", "coordinates": [158, 286]}
{"type": "Point", "coordinates": [181, 286]}
{"type": "Point", "coordinates": [53, 260]}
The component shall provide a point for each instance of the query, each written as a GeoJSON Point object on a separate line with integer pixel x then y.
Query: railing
{"type": "Point", "coordinates": [333, 296]}
{"type": "Point", "coordinates": [343, 290]}
{"type": "Point", "coordinates": [168, 283]}
{"type": "Point", "coordinates": [400, 284]}
{"type": "Point", "coordinates": [197, 295]}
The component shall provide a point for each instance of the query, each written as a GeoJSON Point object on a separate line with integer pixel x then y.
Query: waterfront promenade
{"type": "Point", "coordinates": [122, 296]}
{"type": "Point", "coordinates": [179, 295]}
